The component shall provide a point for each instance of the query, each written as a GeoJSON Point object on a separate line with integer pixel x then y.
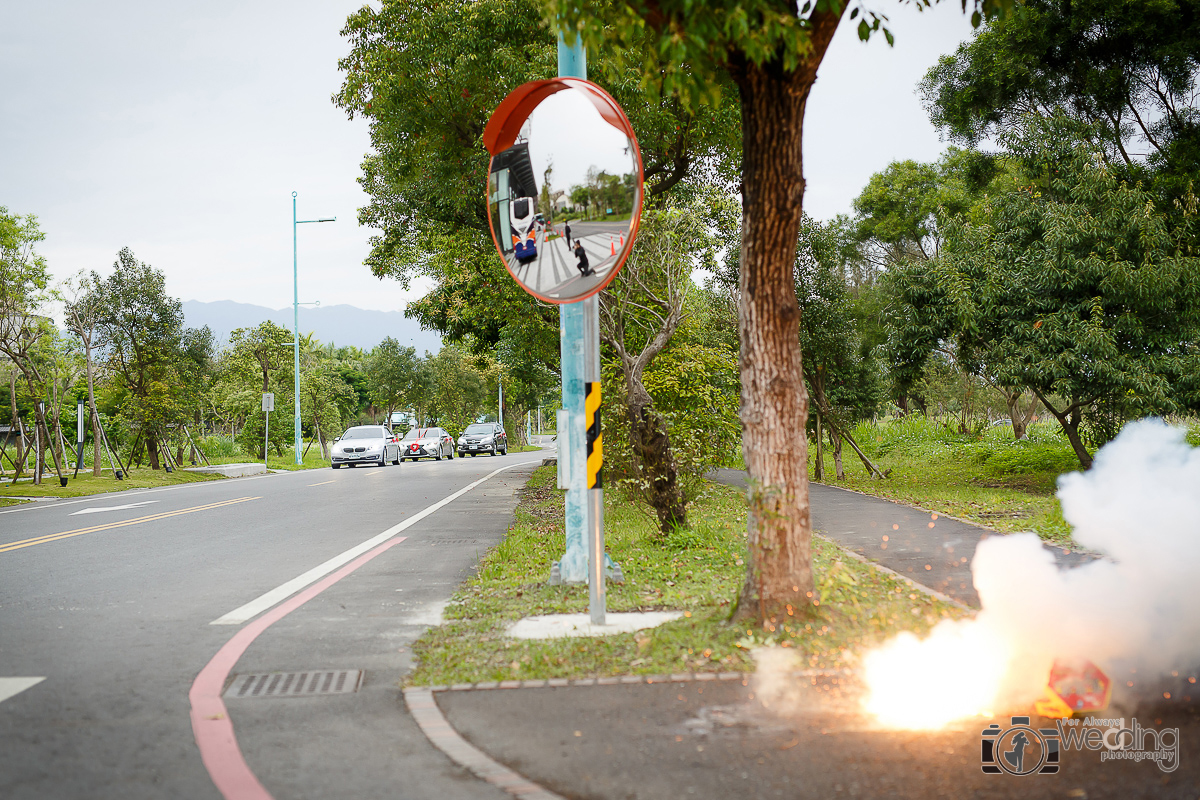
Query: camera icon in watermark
{"type": "Point", "coordinates": [1019, 749]}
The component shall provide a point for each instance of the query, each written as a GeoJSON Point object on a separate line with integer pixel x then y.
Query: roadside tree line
{"type": "Point", "coordinates": [154, 389]}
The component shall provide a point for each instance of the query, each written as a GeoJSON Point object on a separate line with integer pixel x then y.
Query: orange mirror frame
{"type": "Point", "coordinates": [501, 134]}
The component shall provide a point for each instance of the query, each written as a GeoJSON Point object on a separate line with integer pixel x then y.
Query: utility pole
{"type": "Point", "coordinates": [296, 318]}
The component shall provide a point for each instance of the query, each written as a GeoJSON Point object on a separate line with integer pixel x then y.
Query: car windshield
{"type": "Point", "coordinates": [478, 429]}
{"type": "Point", "coordinates": [365, 432]}
{"type": "Point", "coordinates": [420, 433]}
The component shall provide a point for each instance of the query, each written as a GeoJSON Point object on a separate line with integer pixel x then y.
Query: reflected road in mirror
{"type": "Point", "coordinates": [564, 198]}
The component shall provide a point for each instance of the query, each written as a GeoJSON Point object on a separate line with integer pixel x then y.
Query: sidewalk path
{"type": "Point", "coordinates": [929, 548]}
{"type": "Point", "coordinates": [682, 737]}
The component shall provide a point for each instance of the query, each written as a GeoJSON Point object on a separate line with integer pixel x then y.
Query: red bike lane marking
{"type": "Point", "coordinates": [210, 719]}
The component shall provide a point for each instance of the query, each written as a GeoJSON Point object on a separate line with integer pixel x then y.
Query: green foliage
{"type": "Point", "coordinates": [1128, 70]}
{"type": "Point", "coordinates": [217, 446]}
{"type": "Point", "coordinates": [158, 363]}
{"type": "Point", "coordinates": [842, 375]}
{"type": "Point", "coordinates": [1025, 457]}
{"type": "Point", "coordinates": [392, 374]}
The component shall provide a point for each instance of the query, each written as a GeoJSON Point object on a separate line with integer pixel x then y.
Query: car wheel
{"type": "Point", "coordinates": [336, 466]}
{"type": "Point", "coordinates": [493, 449]}
{"type": "Point", "coordinates": [504, 452]}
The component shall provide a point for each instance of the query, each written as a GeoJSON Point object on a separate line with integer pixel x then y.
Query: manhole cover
{"type": "Point", "coordinates": [296, 684]}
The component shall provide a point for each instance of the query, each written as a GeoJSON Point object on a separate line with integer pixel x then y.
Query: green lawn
{"type": "Point", "coordinates": [991, 480]}
{"type": "Point", "coordinates": [287, 461]}
{"type": "Point", "coordinates": [85, 484]}
{"type": "Point", "coordinates": [698, 571]}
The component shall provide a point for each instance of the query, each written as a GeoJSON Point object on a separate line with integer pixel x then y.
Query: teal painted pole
{"type": "Point", "coordinates": [572, 63]}
{"type": "Point", "coordinates": [580, 356]}
{"type": "Point", "coordinates": [296, 322]}
{"type": "Point", "coordinates": [296, 330]}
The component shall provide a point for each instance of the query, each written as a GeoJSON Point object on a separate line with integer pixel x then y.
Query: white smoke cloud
{"type": "Point", "coordinates": [1136, 609]}
{"type": "Point", "coordinates": [1135, 613]}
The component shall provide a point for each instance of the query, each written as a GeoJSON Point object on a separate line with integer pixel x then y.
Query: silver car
{"type": "Point", "coordinates": [366, 444]}
{"type": "Point", "coordinates": [427, 443]}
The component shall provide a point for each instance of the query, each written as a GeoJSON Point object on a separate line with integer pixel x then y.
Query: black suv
{"type": "Point", "coordinates": [483, 437]}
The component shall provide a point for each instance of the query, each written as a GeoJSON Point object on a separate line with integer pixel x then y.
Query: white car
{"type": "Point", "coordinates": [427, 443]}
{"type": "Point", "coordinates": [366, 444]}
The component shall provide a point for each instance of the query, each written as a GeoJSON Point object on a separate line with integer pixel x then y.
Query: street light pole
{"type": "Point", "coordinates": [296, 319]}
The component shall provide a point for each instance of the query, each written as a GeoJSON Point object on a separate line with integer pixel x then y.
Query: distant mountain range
{"type": "Point", "coordinates": [340, 325]}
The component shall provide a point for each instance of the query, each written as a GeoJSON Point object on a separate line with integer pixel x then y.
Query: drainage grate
{"type": "Point", "coordinates": [296, 684]}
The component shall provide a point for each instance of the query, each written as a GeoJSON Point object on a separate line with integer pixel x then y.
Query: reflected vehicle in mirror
{"type": "Point", "coordinates": [427, 443]}
{"type": "Point", "coordinates": [483, 437]}
{"type": "Point", "coordinates": [366, 444]}
{"type": "Point", "coordinates": [564, 187]}
{"type": "Point", "coordinates": [524, 228]}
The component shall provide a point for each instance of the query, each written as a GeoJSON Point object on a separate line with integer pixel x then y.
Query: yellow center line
{"type": "Point", "coordinates": [54, 537]}
{"type": "Point", "coordinates": [322, 483]}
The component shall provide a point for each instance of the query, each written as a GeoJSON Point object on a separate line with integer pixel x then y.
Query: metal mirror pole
{"type": "Point", "coordinates": [580, 356]}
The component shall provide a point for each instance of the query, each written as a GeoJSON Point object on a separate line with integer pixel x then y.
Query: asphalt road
{"type": "Point", "coordinates": [113, 608]}
{"type": "Point", "coordinates": [715, 741]}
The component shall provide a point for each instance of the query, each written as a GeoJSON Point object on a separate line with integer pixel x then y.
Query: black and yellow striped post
{"type": "Point", "coordinates": [595, 439]}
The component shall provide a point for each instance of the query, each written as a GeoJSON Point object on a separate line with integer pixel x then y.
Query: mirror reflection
{"type": "Point", "coordinates": [564, 198]}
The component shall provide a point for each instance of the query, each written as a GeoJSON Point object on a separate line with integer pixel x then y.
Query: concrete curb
{"type": "Point", "coordinates": [550, 683]}
{"type": "Point", "coordinates": [429, 718]}
{"type": "Point", "coordinates": [441, 734]}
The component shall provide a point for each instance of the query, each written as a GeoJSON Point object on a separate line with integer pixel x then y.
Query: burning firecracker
{"type": "Point", "coordinates": [1074, 688]}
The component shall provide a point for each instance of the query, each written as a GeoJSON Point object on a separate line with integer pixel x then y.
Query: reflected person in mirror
{"type": "Point", "coordinates": [581, 254]}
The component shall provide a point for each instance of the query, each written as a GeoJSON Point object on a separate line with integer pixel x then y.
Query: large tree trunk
{"type": "Point", "coordinates": [152, 450]}
{"type": "Point", "coordinates": [779, 576]}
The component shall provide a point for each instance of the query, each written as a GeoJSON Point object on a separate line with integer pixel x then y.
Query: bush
{"type": "Point", "coordinates": [217, 446]}
{"type": "Point", "coordinates": [1024, 457]}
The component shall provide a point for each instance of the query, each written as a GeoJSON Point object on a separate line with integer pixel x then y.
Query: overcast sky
{"type": "Point", "coordinates": [181, 130]}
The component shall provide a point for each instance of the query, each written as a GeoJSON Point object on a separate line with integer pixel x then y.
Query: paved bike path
{"type": "Point", "coordinates": [929, 548]}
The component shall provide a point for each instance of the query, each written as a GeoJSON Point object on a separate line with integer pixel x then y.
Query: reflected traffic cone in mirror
{"type": "Point", "coordinates": [612, 245]}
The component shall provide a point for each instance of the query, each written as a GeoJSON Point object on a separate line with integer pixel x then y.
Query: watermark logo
{"type": "Point", "coordinates": [1021, 749]}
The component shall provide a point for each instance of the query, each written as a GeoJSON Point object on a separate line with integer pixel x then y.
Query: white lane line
{"type": "Point", "coordinates": [111, 508]}
{"type": "Point", "coordinates": [283, 591]}
{"type": "Point", "coordinates": [14, 686]}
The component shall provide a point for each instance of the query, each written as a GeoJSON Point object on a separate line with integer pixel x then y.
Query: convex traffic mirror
{"type": "Point", "coordinates": [564, 187]}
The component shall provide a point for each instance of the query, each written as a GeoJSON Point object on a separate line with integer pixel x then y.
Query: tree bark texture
{"type": "Point", "coordinates": [655, 460]}
{"type": "Point", "coordinates": [774, 410]}
{"type": "Point", "coordinates": [1069, 419]}
{"type": "Point", "coordinates": [18, 461]}
{"type": "Point", "coordinates": [837, 454]}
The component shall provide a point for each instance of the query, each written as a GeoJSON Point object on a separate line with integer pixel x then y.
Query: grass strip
{"type": "Point", "coordinates": [697, 570]}
{"type": "Point", "coordinates": [981, 476]}
{"type": "Point", "coordinates": [86, 483]}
